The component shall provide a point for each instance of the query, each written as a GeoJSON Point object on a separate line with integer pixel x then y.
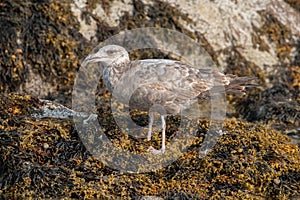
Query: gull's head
{"type": "Point", "coordinates": [108, 55]}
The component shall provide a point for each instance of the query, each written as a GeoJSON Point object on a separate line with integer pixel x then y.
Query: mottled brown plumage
{"type": "Point", "coordinates": [171, 84]}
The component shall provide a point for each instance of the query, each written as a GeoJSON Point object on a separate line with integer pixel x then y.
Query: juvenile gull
{"type": "Point", "coordinates": [171, 84]}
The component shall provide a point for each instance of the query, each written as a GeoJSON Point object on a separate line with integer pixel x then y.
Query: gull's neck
{"type": "Point", "coordinates": [114, 70]}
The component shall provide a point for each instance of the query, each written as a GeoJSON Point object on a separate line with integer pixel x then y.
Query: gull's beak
{"type": "Point", "coordinates": [86, 60]}
{"type": "Point", "coordinates": [92, 59]}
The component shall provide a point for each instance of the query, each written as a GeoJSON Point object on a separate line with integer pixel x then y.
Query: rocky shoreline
{"type": "Point", "coordinates": [42, 46]}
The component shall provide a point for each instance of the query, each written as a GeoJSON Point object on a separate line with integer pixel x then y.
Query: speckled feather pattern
{"type": "Point", "coordinates": [175, 86]}
{"type": "Point", "coordinates": [169, 83]}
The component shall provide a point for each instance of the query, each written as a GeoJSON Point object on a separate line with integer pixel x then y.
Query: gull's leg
{"type": "Point", "coordinates": [163, 145]}
{"type": "Point", "coordinates": [163, 142]}
{"type": "Point", "coordinates": [151, 118]}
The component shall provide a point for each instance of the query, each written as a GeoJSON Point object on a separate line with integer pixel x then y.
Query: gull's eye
{"type": "Point", "coordinates": [110, 52]}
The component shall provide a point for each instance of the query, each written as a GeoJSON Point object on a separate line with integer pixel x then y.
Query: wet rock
{"type": "Point", "coordinates": [42, 45]}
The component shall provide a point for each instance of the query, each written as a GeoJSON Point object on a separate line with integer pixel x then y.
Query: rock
{"type": "Point", "coordinates": [43, 44]}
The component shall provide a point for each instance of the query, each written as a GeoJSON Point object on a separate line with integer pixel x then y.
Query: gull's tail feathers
{"type": "Point", "coordinates": [238, 85]}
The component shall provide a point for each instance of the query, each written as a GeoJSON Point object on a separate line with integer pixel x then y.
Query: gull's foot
{"type": "Point", "coordinates": [149, 137]}
{"type": "Point", "coordinates": [155, 151]}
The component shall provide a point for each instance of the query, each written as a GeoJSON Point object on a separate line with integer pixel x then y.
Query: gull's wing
{"type": "Point", "coordinates": [179, 77]}
{"type": "Point", "coordinates": [171, 84]}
